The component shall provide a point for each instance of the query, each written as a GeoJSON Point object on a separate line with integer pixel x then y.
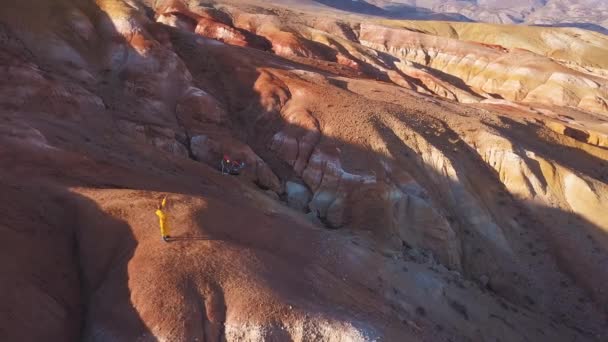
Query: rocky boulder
{"type": "Point", "coordinates": [298, 195]}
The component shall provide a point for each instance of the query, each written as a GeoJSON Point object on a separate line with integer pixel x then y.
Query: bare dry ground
{"type": "Point", "coordinates": [588, 14]}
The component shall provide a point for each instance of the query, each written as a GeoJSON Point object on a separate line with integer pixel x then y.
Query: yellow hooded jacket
{"type": "Point", "coordinates": [162, 218]}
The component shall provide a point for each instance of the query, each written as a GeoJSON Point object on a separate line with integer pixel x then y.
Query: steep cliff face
{"type": "Point", "coordinates": [399, 185]}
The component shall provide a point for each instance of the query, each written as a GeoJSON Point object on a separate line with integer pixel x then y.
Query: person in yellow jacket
{"type": "Point", "coordinates": [162, 218]}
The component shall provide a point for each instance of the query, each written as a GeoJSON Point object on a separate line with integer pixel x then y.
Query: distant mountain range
{"type": "Point", "coordinates": [588, 14]}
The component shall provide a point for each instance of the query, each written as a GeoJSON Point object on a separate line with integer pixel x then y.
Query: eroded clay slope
{"type": "Point", "coordinates": [370, 207]}
{"type": "Point", "coordinates": [563, 67]}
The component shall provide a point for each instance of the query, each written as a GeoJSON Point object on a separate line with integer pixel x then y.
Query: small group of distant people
{"type": "Point", "coordinates": [231, 166]}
